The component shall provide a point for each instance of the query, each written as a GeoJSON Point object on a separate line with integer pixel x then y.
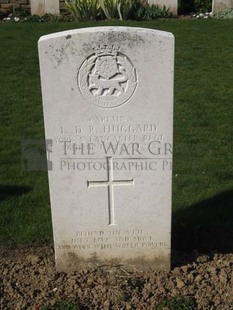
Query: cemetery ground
{"type": "Point", "coordinates": [202, 229]}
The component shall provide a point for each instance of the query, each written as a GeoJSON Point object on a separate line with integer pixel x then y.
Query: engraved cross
{"type": "Point", "coordinates": [110, 183]}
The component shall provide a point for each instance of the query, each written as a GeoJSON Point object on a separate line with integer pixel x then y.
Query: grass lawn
{"type": "Point", "coordinates": [203, 132]}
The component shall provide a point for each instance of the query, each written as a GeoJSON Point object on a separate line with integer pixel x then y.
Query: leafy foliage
{"type": "Point", "coordinates": [114, 9]}
{"type": "Point", "coordinates": [83, 9]}
{"type": "Point", "coordinates": [150, 12]}
{"type": "Point", "coordinates": [15, 11]}
{"type": "Point", "coordinates": [124, 8]}
{"type": "Point", "coordinates": [191, 6]}
{"type": "Point", "coordinates": [203, 5]}
{"type": "Point", "coordinates": [110, 8]}
{"type": "Point", "coordinates": [226, 14]}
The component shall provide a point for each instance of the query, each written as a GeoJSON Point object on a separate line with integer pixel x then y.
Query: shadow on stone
{"type": "Point", "coordinates": [205, 227]}
{"type": "Point", "coordinates": [7, 191]}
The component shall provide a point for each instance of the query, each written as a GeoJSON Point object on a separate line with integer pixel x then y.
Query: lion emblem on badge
{"type": "Point", "coordinates": [107, 78]}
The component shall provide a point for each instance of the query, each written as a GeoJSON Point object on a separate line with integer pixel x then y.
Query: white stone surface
{"type": "Point", "coordinates": [52, 7]}
{"type": "Point", "coordinates": [108, 108]}
{"type": "Point", "coordinates": [221, 5]}
{"type": "Point", "coordinates": [42, 7]}
{"type": "Point", "coordinates": [37, 7]}
{"type": "Point", "coordinates": [172, 5]}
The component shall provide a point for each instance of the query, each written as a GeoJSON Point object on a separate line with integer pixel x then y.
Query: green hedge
{"type": "Point", "coordinates": [190, 6]}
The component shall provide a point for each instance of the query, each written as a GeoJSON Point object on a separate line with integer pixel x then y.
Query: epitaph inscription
{"type": "Point", "coordinates": [108, 108]}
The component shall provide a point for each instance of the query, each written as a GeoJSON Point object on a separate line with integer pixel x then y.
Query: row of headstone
{"type": "Point", "coordinates": [41, 7]}
{"type": "Point", "coordinates": [108, 110]}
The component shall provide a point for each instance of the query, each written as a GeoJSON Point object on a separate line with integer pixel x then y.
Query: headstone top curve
{"type": "Point", "coordinates": [103, 29]}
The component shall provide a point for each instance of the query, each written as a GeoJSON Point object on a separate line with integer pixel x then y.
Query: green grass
{"type": "Point", "coordinates": [61, 306]}
{"type": "Point", "coordinates": [203, 131]}
{"type": "Point", "coordinates": [177, 303]}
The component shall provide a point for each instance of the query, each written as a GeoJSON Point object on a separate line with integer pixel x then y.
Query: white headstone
{"type": "Point", "coordinates": [52, 7]}
{"type": "Point", "coordinates": [169, 4]}
{"type": "Point", "coordinates": [42, 7]}
{"type": "Point", "coordinates": [37, 7]}
{"type": "Point", "coordinates": [108, 108]}
{"type": "Point", "coordinates": [221, 5]}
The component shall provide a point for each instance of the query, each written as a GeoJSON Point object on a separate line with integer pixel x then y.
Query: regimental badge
{"type": "Point", "coordinates": [107, 78]}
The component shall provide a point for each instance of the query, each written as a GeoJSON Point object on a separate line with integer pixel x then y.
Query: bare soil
{"type": "Point", "coordinates": [28, 280]}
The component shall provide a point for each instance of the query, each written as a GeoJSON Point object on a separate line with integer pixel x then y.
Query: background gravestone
{"type": "Point", "coordinates": [221, 5]}
{"type": "Point", "coordinates": [42, 7]}
{"type": "Point", "coordinates": [108, 108]}
{"type": "Point", "coordinates": [171, 4]}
